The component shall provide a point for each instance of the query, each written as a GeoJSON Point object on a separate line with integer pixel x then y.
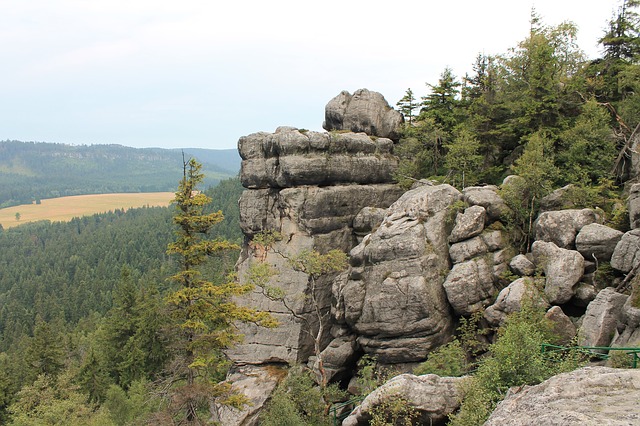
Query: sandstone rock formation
{"type": "Point", "coordinates": [364, 111]}
{"type": "Point", "coordinates": [432, 396]}
{"type": "Point", "coordinates": [392, 296]}
{"type": "Point", "coordinates": [308, 187]}
{"type": "Point", "coordinates": [591, 396]}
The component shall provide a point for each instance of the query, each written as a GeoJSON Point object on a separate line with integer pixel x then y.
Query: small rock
{"type": "Point", "coordinates": [468, 224]}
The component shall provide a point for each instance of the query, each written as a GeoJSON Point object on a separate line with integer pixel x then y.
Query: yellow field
{"type": "Point", "coordinates": [66, 208]}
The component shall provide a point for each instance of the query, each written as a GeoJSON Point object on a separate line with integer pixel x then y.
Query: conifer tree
{"type": "Point", "coordinates": [204, 312]}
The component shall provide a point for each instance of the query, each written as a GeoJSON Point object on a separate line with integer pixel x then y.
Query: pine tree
{"type": "Point", "coordinates": [203, 311]}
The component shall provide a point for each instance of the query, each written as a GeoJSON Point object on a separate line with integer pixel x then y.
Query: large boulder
{"type": "Point", "coordinates": [309, 217]}
{"type": "Point", "coordinates": [561, 227]}
{"type": "Point", "coordinates": [487, 197]}
{"type": "Point", "coordinates": [597, 241]}
{"type": "Point", "coordinates": [602, 318]}
{"type": "Point", "coordinates": [433, 397]}
{"type": "Point", "coordinates": [487, 242]}
{"type": "Point", "coordinates": [468, 224]}
{"type": "Point", "coordinates": [626, 255]}
{"type": "Point", "coordinates": [289, 158]}
{"type": "Point", "coordinates": [563, 327]}
{"type": "Point", "coordinates": [590, 396]}
{"type": "Point", "coordinates": [364, 111]}
{"type": "Point", "coordinates": [472, 285]}
{"type": "Point", "coordinates": [392, 296]}
{"type": "Point", "coordinates": [511, 299]}
{"type": "Point", "coordinates": [562, 269]}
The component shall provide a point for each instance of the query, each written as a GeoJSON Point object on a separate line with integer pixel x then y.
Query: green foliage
{"type": "Point", "coordinates": [299, 401]}
{"type": "Point", "coordinates": [393, 411]}
{"type": "Point", "coordinates": [420, 151]}
{"type": "Point", "coordinates": [463, 159]}
{"type": "Point", "coordinates": [55, 402]}
{"type": "Point", "coordinates": [514, 359]}
{"type": "Point", "coordinates": [204, 311]}
{"type": "Point", "coordinates": [407, 105]}
{"type": "Point", "coordinates": [370, 375]}
{"type": "Point", "coordinates": [449, 360]}
{"type": "Point", "coordinates": [587, 149]}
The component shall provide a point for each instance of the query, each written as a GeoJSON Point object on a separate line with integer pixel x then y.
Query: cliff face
{"type": "Point", "coordinates": [309, 187]}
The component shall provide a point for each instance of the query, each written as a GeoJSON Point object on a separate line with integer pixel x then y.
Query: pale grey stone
{"type": "Point", "coordinates": [601, 318]}
{"type": "Point", "coordinates": [486, 242]}
{"type": "Point", "coordinates": [561, 227]}
{"type": "Point", "coordinates": [590, 396]}
{"type": "Point", "coordinates": [364, 111]}
{"type": "Point", "coordinates": [510, 300]}
{"type": "Point", "coordinates": [487, 197]}
{"type": "Point", "coordinates": [471, 285]}
{"type": "Point", "coordinates": [563, 327]}
{"type": "Point", "coordinates": [595, 241]}
{"type": "Point", "coordinates": [256, 383]}
{"type": "Point", "coordinates": [392, 296]}
{"type": "Point", "coordinates": [562, 269]}
{"type": "Point", "coordinates": [522, 266]}
{"type": "Point", "coordinates": [634, 206]}
{"type": "Point", "coordinates": [433, 397]}
{"type": "Point", "coordinates": [626, 255]}
{"type": "Point", "coordinates": [468, 224]}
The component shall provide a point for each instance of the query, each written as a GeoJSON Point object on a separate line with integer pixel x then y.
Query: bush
{"type": "Point", "coordinates": [514, 359]}
{"type": "Point", "coordinates": [449, 360]}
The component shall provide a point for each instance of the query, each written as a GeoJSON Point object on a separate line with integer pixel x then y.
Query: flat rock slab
{"type": "Point", "coordinates": [591, 396]}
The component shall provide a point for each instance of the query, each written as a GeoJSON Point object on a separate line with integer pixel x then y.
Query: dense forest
{"type": "Point", "coordinates": [64, 287]}
{"type": "Point", "coordinates": [86, 327]}
{"type": "Point", "coordinates": [31, 171]}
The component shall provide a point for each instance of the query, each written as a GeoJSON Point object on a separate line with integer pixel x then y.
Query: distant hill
{"type": "Point", "coordinates": [30, 171]}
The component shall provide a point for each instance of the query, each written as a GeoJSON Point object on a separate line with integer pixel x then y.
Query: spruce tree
{"type": "Point", "coordinates": [204, 312]}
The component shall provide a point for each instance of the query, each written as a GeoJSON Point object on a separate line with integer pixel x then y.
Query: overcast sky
{"type": "Point", "coordinates": [194, 73]}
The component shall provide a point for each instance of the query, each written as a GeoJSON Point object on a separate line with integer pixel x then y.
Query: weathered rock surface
{"type": "Point", "coordinates": [336, 357]}
{"type": "Point", "coordinates": [510, 300]}
{"type": "Point", "coordinates": [601, 319]}
{"type": "Point", "coordinates": [563, 327]}
{"type": "Point", "coordinates": [364, 111]}
{"type": "Point", "coordinates": [309, 218]}
{"type": "Point", "coordinates": [628, 333]}
{"type": "Point", "coordinates": [487, 197]}
{"type": "Point", "coordinates": [597, 241]}
{"type": "Point", "coordinates": [561, 227]}
{"type": "Point", "coordinates": [591, 396]}
{"type": "Point", "coordinates": [562, 269]}
{"type": "Point", "coordinates": [367, 219]}
{"type": "Point", "coordinates": [468, 224]}
{"type": "Point", "coordinates": [291, 158]}
{"type": "Point", "coordinates": [634, 206]}
{"type": "Point", "coordinates": [487, 242]}
{"type": "Point", "coordinates": [432, 396]}
{"type": "Point", "coordinates": [392, 295]}
{"type": "Point", "coordinates": [557, 199]}
{"type": "Point", "coordinates": [522, 266]}
{"type": "Point", "coordinates": [627, 252]}
{"type": "Point", "coordinates": [256, 383]}
{"type": "Point", "coordinates": [472, 285]}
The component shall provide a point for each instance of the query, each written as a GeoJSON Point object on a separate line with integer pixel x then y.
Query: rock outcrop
{"type": "Point", "coordinates": [308, 187]}
{"type": "Point", "coordinates": [364, 111]}
{"type": "Point", "coordinates": [392, 296]}
{"type": "Point", "coordinates": [591, 396]}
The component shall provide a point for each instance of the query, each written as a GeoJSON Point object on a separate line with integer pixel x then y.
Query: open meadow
{"type": "Point", "coordinates": [66, 208]}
